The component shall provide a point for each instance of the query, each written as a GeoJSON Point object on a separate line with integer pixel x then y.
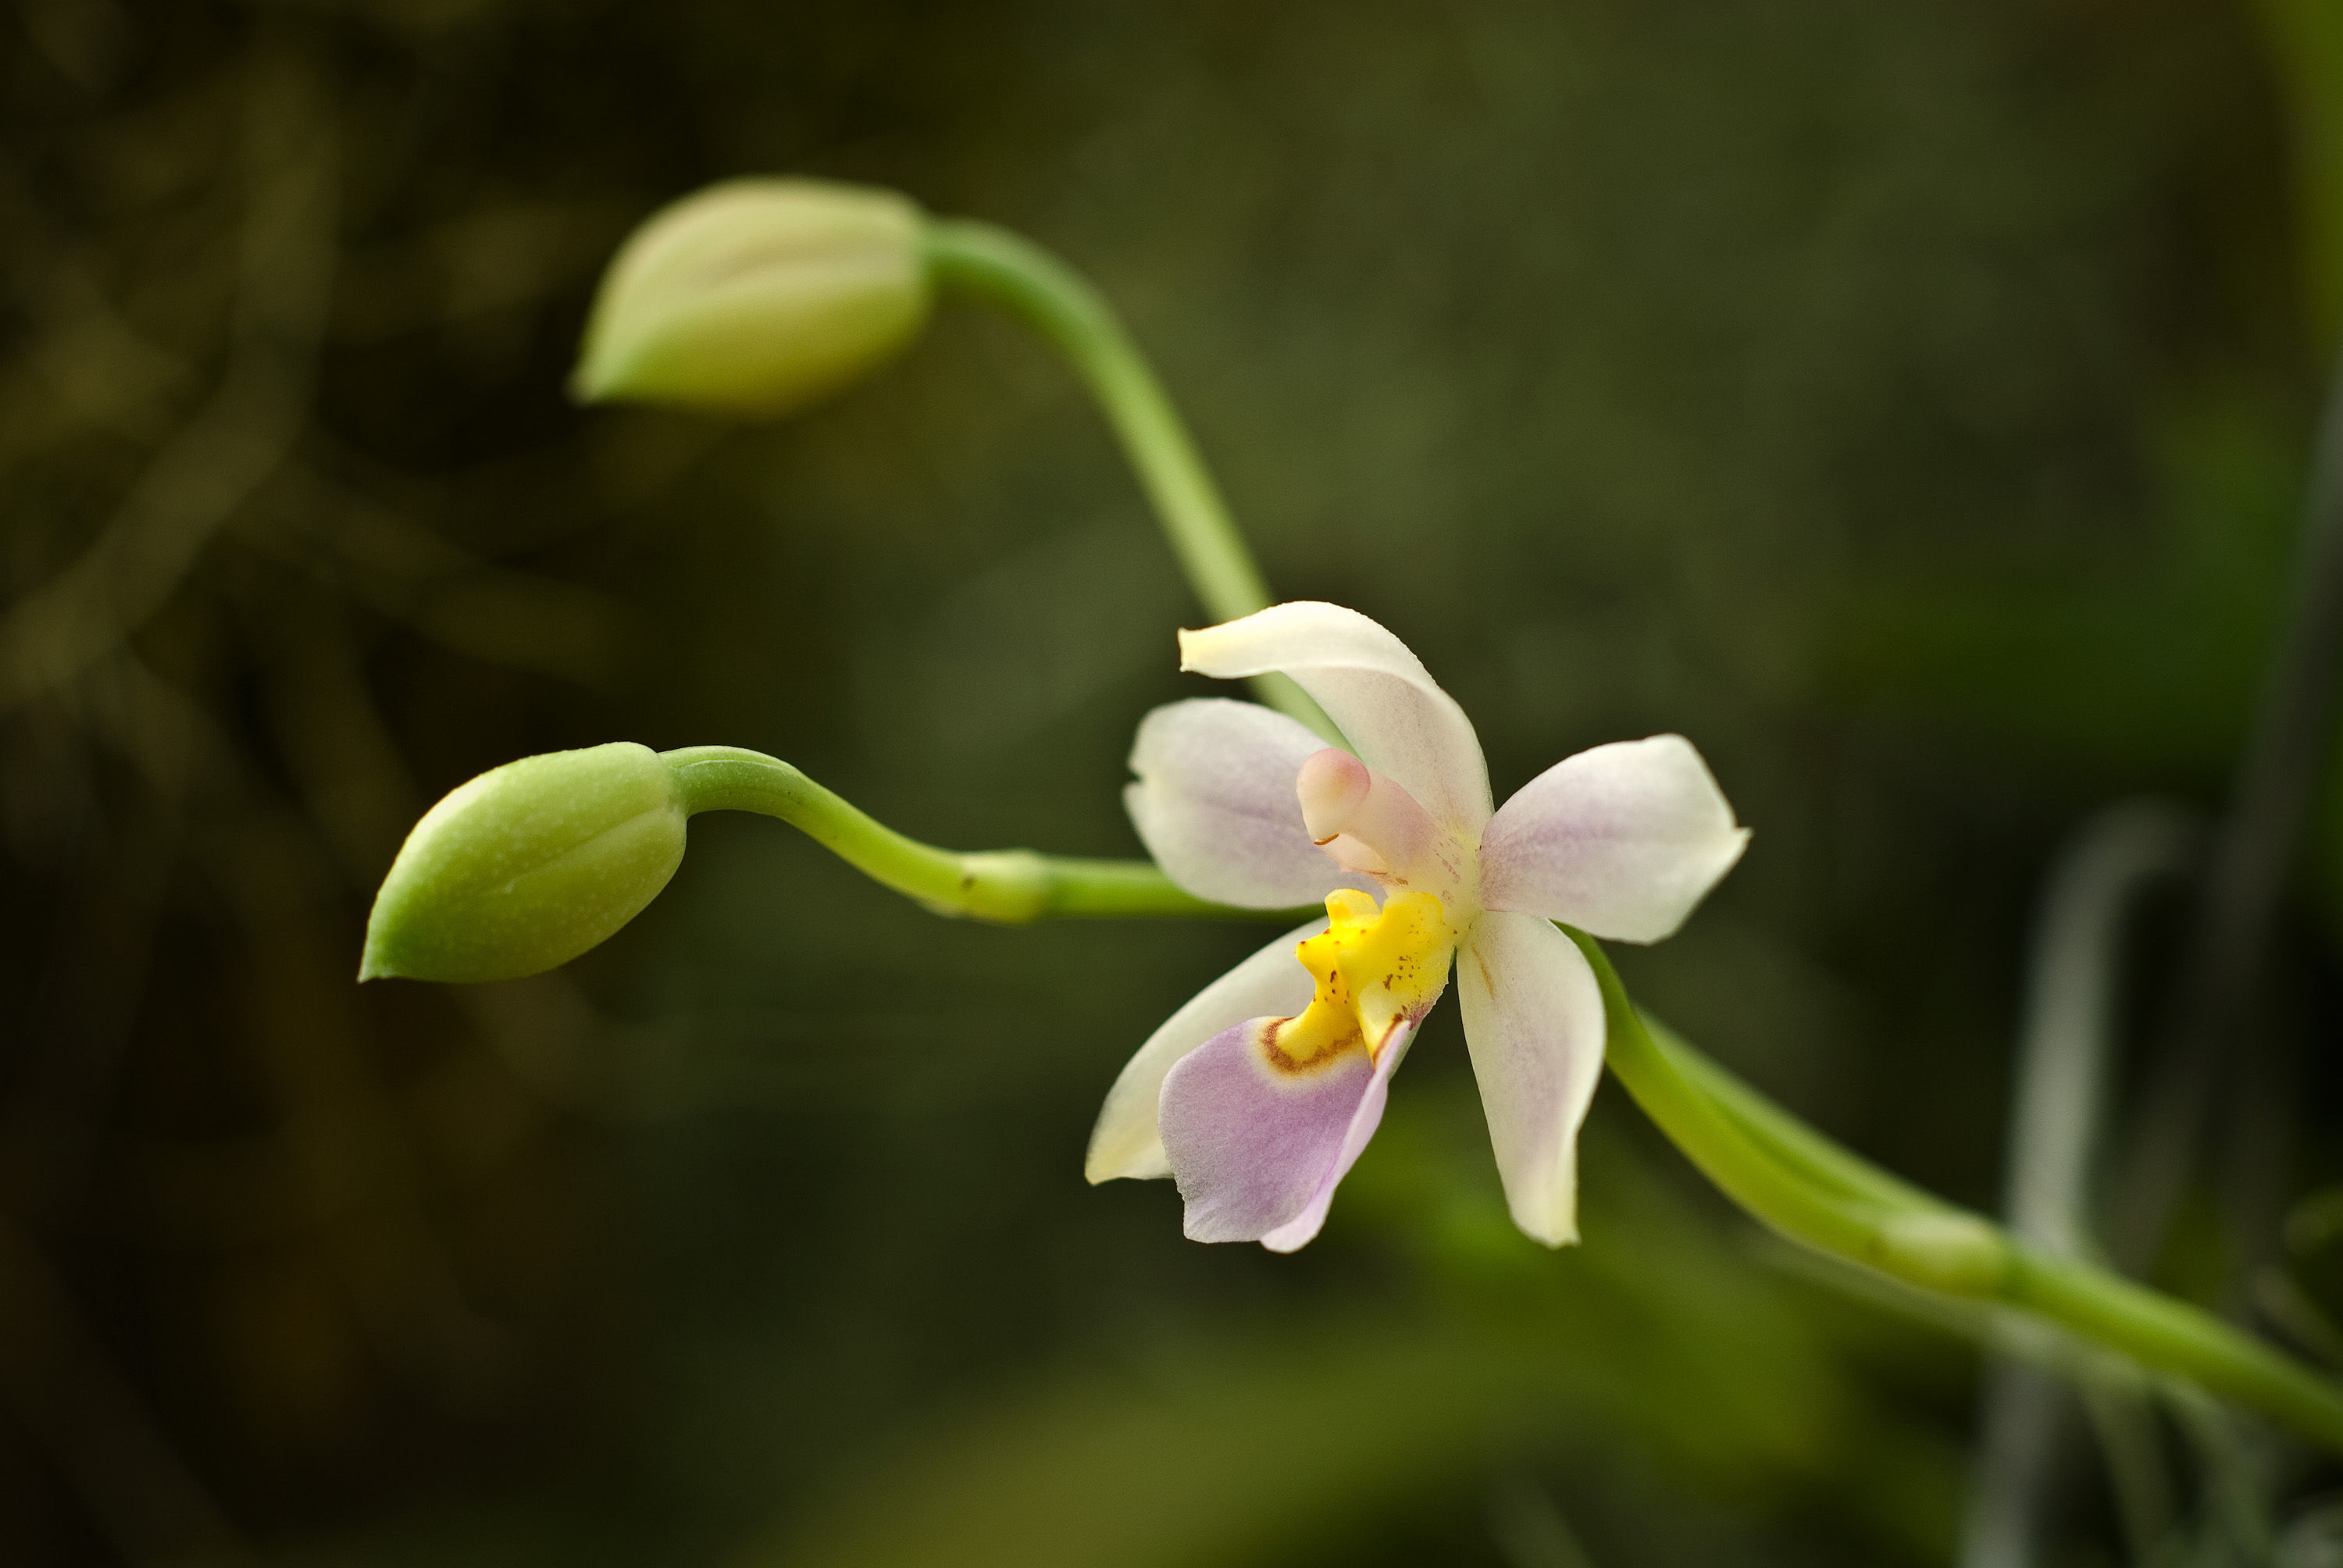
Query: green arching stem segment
{"type": "Point", "coordinates": [1814, 1191]}
{"type": "Point", "coordinates": [1018, 277]}
{"type": "Point", "coordinates": [1013, 274]}
{"type": "Point", "coordinates": [1010, 886]}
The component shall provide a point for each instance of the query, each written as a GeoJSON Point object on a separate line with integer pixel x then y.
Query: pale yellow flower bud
{"type": "Point", "coordinates": [527, 866]}
{"type": "Point", "coordinates": [757, 296]}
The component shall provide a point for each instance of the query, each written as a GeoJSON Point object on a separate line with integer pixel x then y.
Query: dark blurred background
{"type": "Point", "coordinates": [1910, 403]}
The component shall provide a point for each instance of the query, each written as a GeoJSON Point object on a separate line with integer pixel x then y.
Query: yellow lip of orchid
{"type": "Point", "coordinates": [1375, 969]}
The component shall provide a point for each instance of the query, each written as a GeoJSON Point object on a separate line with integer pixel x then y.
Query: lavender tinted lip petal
{"type": "Point", "coordinates": [1126, 1141]}
{"type": "Point", "coordinates": [1253, 1143]}
{"type": "Point", "coordinates": [1297, 1232]}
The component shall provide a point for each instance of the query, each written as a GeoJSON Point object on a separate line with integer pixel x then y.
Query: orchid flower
{"type": "Point", "coordinates": [1259, 1095]}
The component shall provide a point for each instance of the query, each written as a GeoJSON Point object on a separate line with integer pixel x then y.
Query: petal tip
{"type": "Point", "coordinates": [1143, 1165]}
{"type": "Point", "coordinates": [1556, 1222]}
{"type": "Point", "coordinates": [1124, 1145]}
{"type": "Point", "coordinates": [1279, 1242]}
{"type": "Point", "coordinates": [1732, 846]}
{"type": "Point", "coordinates": [1187, 656]}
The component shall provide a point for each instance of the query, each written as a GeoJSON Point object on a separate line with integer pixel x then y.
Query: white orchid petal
{"type": "Point", "coordinates": [1400, 722]}
{"type": "Point", "coordinates": [1271, 983]}
{"type": "Point", "coordinates": [1534, 1024]}
{"type": "Point", "coordinates": [1621, 841]}
{"type": "Point", "coordinates": [1215, 804]}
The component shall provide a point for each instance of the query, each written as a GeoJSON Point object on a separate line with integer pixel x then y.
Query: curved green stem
{"type": "Point", "coordinates": [1010, 272]}
{"type": "Point", "coordinates": [1814, 1191]}
{"type": "Point", "coordinates": [2161, 1332]}
{"type": "Point", "coordinates": [1780, 1135]}
{"type": "Point", "coordinates": [1010, 886]}
{"type": "Point", "coordinates": [1016, 276]}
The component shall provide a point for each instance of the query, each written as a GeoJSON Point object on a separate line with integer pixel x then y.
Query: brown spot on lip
{"type": "Point", "coordinates": [1290, 1067]}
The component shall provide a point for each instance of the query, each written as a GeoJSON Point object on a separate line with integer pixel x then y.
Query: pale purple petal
{"type": "Point", "coordinates": [1270, 982]}
{"type": "Point", "coordinates": [1215, 804]}
{"type": "Point", "coordinates": [1258, 1144]}
{"type": "Point", "coordinates": [1300, 1230]}
{"type": "Point", "coordinates": [1533, 1023]}
{"type": "Point", "coordinates": [1621, 841]}
{"type": "Point", "coordinates": [1400, 722]}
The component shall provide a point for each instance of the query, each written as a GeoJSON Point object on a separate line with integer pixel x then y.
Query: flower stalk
{"type": "Point", "coordinates": [1011, 887]}
{"type": "Point", "coordinates": [1815, 1192]}
{"type": "Point", "coordinates": [1013, 275]}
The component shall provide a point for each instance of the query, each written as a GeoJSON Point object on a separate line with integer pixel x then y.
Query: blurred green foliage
{"type": "Point", "coordinates": [1908, 403]}
{"type": "Point", "coordinates": [1297, 1432]}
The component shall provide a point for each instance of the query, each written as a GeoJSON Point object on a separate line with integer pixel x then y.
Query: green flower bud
{"type": "Point", "coordinates": [527, 866]}
{"type": "Point", "coordinates": [757, 296]}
